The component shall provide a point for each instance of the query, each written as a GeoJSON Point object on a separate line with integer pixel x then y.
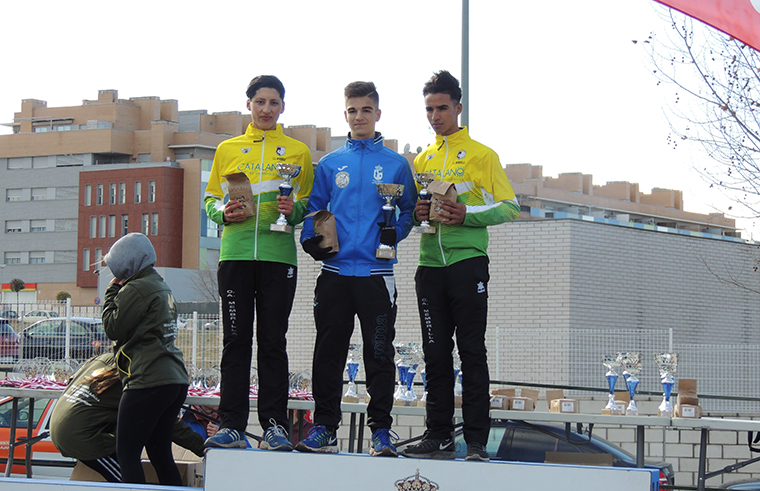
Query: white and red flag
{"type": "Point", "coordinates": [737, 18]}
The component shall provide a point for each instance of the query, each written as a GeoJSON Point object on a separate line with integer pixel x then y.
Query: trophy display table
{"type": "Point", "coordinates": [357, 413]}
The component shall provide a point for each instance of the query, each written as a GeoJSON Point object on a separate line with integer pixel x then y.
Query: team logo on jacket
{"type": "Point", "coordinates": [245, 150]}
{"type": "Point", "coordinates": [342, 179]}
{"type": "Point", "coordinates": [291, 272]}
{"type": "Point", "coordinates": [280, 151]}
{"type": "Point", "coordinates": [461, 154]}
{"type": "Point", "coordinates": [481, 287]}
{"type": "Point", "coordinates": [378, 174]}
{"type": "Point", "coordinates": [430, 156]}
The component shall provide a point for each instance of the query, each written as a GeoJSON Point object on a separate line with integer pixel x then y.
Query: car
{"type": "Point", "coordinates": [212, 326]}
{"type": "Point", "coordinates": [36, 315]}
{"type": "Point", "coordinates": [47, 338]}
{"type": "Point", "coordinates": [47, 461]}
{"type": "Point", "coordinates": [520, 441]}
{"type": "Point", "coordinates": [9, 314]}
{"type": "Point", "coordinates": [742, 485]}
{"type": "Point", "coordinates": [9, 340]}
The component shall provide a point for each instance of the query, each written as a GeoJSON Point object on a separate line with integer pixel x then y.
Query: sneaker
{"type": "Point", "coordinates": [225, 438]}
{"type": "Point", "coordinates": [476, 451]}
{"type": "Point", "coordinates": [320, 440]}
{"type": "Point", "coordinates": [431, 448]}
{"type": "Point", "coordinates": [381, 443]}
{"type": "Point", "coordinates": [276, 438]}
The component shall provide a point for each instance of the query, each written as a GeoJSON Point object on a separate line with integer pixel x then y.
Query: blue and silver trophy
{"type": "Point", "coordinates": [352, 369]}
{"type": "Point", "coordinates": [287, 172]}
{"type": "Point", "coordinates": [667, 363]}
{"type": "Point", "coordinates": [612, 362]}
{"type": "Point", "coordinates": [631, 367]}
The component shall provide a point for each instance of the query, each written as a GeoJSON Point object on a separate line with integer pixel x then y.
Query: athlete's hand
{"type": "Point", "coordinates": [233, 211]}
{"type": "Point", "coordinates": [454, 211]}
{"type": "Point", "coordinates": [285, 205]}
{"type": "Point", "coordinates": [422, 210]}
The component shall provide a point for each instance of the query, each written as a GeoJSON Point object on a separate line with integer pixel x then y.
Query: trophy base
{"type": "Point", "coordinates": [350, 399]}
{"type": "Point", "coordinates": [385, 253]}
{"type": "Point", "coordinates": [613, 412]}
{"type": "Point", "coordinates": [421, 403]}
{"type": "Point", "coordinates": [424, 230]}
{"type": "Point", "coordinates": [277, 227]}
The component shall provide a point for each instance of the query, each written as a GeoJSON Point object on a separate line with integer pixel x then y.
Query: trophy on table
{"type": "Point", "coordinates": [388, 192]}
{"type": "Point", "coordinates": [413, 361]}
{"type": "Point", "coordinates": [424, 178]}
{"type": "Point", "coordinates": [667, 363]}
{"type": "Point", "coordinates": [352, 369]}
{"type": "Point", "coordinates": [457, 373]}
{"type": "Point", "coordinates": [423, 399]}
{"type": "Point", "coordinates": [402, 365]}
{"type": "Point", "coordinates": [611, 362]}
{"type": "Point", "coordinates": [287, 172]}
{"type": "Point", "coordinates": [631, 366]}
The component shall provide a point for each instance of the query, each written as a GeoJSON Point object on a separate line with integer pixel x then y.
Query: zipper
{"type": "Point", "coordinates": [258, 200]}
{"type": "Point", "coordinates": [359, 204]}
{"type": "Point", "coordinates": [443, 173]}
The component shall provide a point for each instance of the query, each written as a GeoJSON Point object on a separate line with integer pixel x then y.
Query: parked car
{"type": "Point", "coordinates": [742, 485]}
{"type": "Point", "coordinates": [37, 315]}
{"type": "Point", "coordinates": [520, 441]}
{"type": "Point", "coordinates": [47, 461]}
{"type": "Point", "coordinates": [8, 342]}
{"type": "Point", "coordinates": [9, 314]}
{"type": "Point", "coordinates": [212, 326]}
{"type": "Point", "coordinates": [47, 338]}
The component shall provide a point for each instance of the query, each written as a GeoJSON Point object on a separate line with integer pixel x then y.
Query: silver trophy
{"type": "Point", "coordinates": [611, 362]}
{"type": "Point", "coordinates": [457, 373]}
{"type": "Point", "coordinates": [424, 178]}
{"type": "Point", "coordinates": [402, 365]}
{"type": "Point", "coordinates": [287, 172]}
{"type": "Point", "coordinates": [667, 363]}
{"type": "Point", "coordinates": [631, 367]}
{"type": "Point", "coordinates": [388, 192]}
{"type": "Point", "coordinates": [352, 369]}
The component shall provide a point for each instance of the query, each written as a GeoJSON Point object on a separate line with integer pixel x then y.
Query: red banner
{"type": "Point", "coordinates": [737, 18]}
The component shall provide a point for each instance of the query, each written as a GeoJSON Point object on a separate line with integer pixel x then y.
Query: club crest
{"type": "Point", "coordinates": [461, 154]}
{"type": "Point", "coordinates": [280, 151]}
{"type": "Point", "coordinates": [245, 150]}
{"type": "Point", "coordinates": [378, 174]}
{"type": "Point", "coordinates": [342, 179]}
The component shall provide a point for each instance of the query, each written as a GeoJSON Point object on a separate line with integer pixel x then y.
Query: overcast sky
{"type": "Point", "coordinates": [555, 83]}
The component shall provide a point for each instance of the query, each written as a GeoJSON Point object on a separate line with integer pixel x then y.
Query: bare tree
{"type": "Point", "coordinates": [715, 104]}
{"type": "Point", "coordinates": [206, 285]}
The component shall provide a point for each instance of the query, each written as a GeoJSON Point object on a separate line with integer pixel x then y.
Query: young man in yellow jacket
{"type": "Point", "coordinates": [257, 265]}
{"type": "Point", "coordinates": [452, 277]}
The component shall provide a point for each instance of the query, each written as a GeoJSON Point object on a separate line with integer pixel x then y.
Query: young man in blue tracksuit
{"type": "Point", "coordinates": [354, 281]}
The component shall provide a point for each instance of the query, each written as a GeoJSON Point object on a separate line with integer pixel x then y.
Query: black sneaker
{"type": "Point", "coordinates": [476, 451]}
{"type": "Point", "coordinates": [431, 448]}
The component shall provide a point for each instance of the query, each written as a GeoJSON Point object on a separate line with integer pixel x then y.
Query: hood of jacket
{"type": "Point", "coordinates": [129, 255]}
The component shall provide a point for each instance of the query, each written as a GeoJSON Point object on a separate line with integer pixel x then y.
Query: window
{"type": "Point", "coordinates": [13, 195]}
{"type": "Point", "coordinates": [213, 229]}
{"type": "Point", "coordinates": [151, 191]}
{"type": "Point", "coordinates": [112, 194]}
{"type": "Point", "coordinates": [39, 194]}
{"type": "Point", "coordinates": [93, 227]}
{"type": "Point", "coordinates": [145, 223]}
{"type": "Point", "coordinates": [102, 226]}
{"type": "Point", "coordinates": [99, 198]}
{"type": "Point", "coordinates": [36, 257]}
{"type": "Point", "coordinates": [6, 411]}
{"type": "Point", "coordinates": [88, 195]}
{"type": "Point", "coordinates": [98, 256]}
{"type": "Point", "coordinates": [112, 225]}
{"type": "Point", "coordinates": [124, 225]}
{"type": "Point", "coordinates": [122, 193]}
{"type": "Point", "coordinates": [138, 191]}
{"type": "Point", "coordinates": [38, 225]}
{"type": "Point", "coordinates": [13, 226]}
{"type": "Point", "coordinates": [154, 224]}
{"type": "Point", "coordinates": [64, 127]}
{"type": "Point", "coordinates": [85, 260]}
{"type": "Point", "coordinates": [12, 258]}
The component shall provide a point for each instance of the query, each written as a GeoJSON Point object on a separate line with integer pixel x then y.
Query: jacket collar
{"type": "Point", "coordinates": [372, 144]}
{"type": "Point", "coordinates": [257, 134]}
{"type": "Point", "coordinates": [459, 137]}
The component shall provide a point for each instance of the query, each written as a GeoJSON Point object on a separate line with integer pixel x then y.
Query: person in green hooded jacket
{"type": "Point", "coordinates": [140, 315]}
{"type": "Point", "coordinates": [83, 423]}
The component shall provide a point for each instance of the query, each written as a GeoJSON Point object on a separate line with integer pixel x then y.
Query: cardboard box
{"type": "Point", "coordinates": [442, 191]}
{"type": "Point", "coordinates": [458, 401]}
{"type": "Point", "coordinates": [558, 403]}
{"type": "Point", "coordinates": [687, 411]}
{"type": "Point", "coordinates": [687, 392]}
{"type": "Point", "coordinates": [526, 401]}
{"type": "Point", "coordinates": [239, 188]}
{"type": "Point", "coordinates": [324, 225]}
{"type": "Point", "coordinates": [575, 458]}
{"type": "Point", "coordinates": [499, 401]}
{"type": "Point", "coordinates": [191, 472]}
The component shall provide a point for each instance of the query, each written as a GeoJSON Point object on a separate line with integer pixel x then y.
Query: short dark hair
{"type": "Point", "coordinates": [265, 81]}
{"type": "Point", "coordinates": [362, 89]}
{"type": "Point", "coordinates": [443, 83]}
